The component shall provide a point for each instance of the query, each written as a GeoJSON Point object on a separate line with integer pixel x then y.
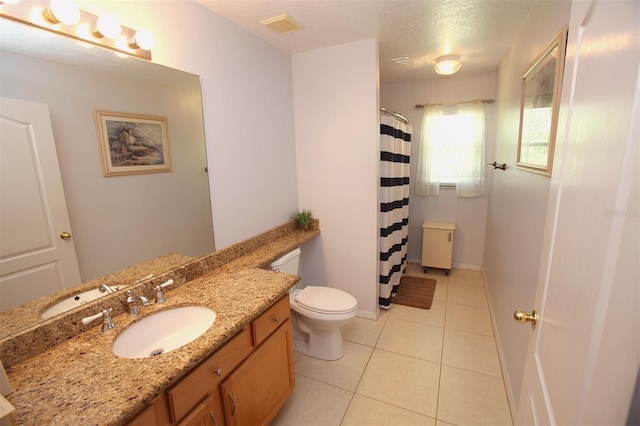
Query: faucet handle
{"type": "Point", "coordinates": [107, 323]}
{"type": "Point", "coordinates": [159, 293]}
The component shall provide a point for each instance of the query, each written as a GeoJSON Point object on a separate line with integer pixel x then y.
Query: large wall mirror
{"type": "Point", "coordinates": [116, 221]}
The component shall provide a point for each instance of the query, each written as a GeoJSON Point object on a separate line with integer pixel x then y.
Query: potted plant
{"type": "Point", "coordinates": [303, 219]}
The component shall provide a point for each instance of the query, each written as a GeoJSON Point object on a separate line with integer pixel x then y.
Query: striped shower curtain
{"type": "Point", "coordinates": [395, 151]}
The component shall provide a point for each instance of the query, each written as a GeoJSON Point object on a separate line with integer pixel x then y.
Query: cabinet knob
{"type": "Point", "coordinates": [218, 372]}
{"type": "Point", "coordinates": [276, 319]}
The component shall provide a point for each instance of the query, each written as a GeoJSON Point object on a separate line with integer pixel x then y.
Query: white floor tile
{"type": "Point", "coordinates": [469, 318]}
{"type": "Point", "coordinates": [466, 277]}
{"type": "Point", "coordinates": [434, 316]}
{"type": "Point", "coordinates": [314, 403]}
{"type": "Point", "coordinates": [403, 381]}
{"type": "Point", "coordinates": [467, 295]}
{"type": "Point", "coordinates": [472, 352]}
{"type": "Point", "coordinates": [442, 292]}
{"type": "Point", "coordinates": [344, 373]}
{"type": "Point", "coordinates": [412, 366]}
{"type": "Point", "coordinates": [468, 398]}
{"type": "Point", "coordinates": [366, 411]}
{"type": "Point", "coordinates": [364, 331]}
{"type": "Point", "coordinates": [413, 339]}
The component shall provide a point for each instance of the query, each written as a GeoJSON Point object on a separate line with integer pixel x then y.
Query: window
{"type": "Point", "coordinates": [452, 149]}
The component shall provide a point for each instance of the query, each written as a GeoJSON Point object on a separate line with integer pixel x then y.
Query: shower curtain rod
{"type": "Point", "coordinates": [395, 114]}
{"type": "Point", "coordinates": [486, 101]}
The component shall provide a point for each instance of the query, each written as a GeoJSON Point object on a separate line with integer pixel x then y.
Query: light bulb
{"type": "Point", "coordinates": [143, 40]}
{"type": "Point", "coordinates": [107, 26]}
{"type": "Point", "coordinates": [447, 65]}
{"type": "Point", "coordinates": [64, 11]}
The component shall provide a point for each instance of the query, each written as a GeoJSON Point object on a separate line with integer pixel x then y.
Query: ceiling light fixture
{"type": "Point", "coordinates": [448, 64]}
{"type": "Point", "coordinates": [63, 17]}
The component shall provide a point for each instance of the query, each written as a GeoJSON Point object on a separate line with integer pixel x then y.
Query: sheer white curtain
{"type": "Point", "coordinates": [430, 158]}
{"type": "Point", "coordinates": [451, 150]}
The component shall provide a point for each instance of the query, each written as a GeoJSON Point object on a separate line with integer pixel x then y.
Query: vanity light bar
{"type": "Point", "coordinates": [37, 13]}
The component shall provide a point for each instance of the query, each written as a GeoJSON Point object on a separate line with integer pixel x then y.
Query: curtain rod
{"type": "Point", "coordinates": [486, 101]}
{"type": "Point", "coordinates": [402, 118]}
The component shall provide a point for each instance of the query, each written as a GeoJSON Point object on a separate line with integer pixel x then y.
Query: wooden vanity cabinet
{"type": "Point", "coordinates": [255, 392]}
{"type": "Point", "coordinates": [207, 413]}
{"type": "Point", "coordinates": [245, 382]}
{"type": "Point", "coordinates": [155, 413]}
{"type": "Point", "coordinates": [206, 378]}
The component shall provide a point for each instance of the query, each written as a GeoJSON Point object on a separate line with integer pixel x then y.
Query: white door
{"type": "Point", "coordinates": [584, 354]}
{"type": "Point", "coordinates": [37, 254]}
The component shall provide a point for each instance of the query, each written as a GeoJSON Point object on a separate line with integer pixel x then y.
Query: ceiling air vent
{"type": "Point", "coordinates": [282, 24]}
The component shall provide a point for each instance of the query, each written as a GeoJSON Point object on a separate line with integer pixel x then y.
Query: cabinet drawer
{"type": "Point", "coordinates": [270, 319]}
{"type": "Point", "coordinates": [197, 384]}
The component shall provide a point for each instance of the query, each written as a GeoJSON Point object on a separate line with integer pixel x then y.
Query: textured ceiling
{"type": "Point", "coordinates": [480, 31]}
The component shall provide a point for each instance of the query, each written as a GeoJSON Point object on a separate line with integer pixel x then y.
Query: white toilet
{"type": "Point", "coordinates": [317, 313]}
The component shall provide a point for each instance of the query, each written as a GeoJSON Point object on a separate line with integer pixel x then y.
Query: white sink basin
{"type": "Point", "coordinates": [73, 302]}
{"type": "Point", "coordinates": [163, 331]}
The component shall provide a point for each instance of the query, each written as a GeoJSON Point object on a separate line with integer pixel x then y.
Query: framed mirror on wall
{"type": "Point", "coordinates": [540, 100]}
{"type": "Point", "coordinates": [126, 219]}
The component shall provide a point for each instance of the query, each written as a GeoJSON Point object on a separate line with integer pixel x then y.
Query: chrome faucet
{"type": "Point", "coordinates": [132, 303]}
{"type": "Point", "coordinates": [105, 288]}
{"type": "Point", "coordinates": [107, 323]}
{"type": "Point", "coordinates": [110, 289]}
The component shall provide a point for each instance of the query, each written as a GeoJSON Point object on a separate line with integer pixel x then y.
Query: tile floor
{"type": "Point", "coordinates": [410, 367]}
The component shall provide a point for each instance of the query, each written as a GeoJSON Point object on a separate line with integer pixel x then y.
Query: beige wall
{"type": "Point", "coordinates": [469, 214]}
{"type": "Point", "coordinates": [337, 123]}
{"type": "Point", "coordinates": [517, 201]}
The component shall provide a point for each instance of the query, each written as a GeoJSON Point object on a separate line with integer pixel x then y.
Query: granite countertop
{"type": "Point", "coordinates": [17, 318]}
{"type": "Point", "coordinates": [81, 381]}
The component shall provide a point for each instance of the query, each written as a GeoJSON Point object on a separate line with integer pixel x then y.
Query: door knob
{"type": "Point", "coordinates": [65, 235]}
{"type": "Point", "coordinates": [523, 317]}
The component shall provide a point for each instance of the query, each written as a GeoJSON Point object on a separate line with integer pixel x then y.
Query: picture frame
{"type": "Point", "coordinates": [539, 104]}
{"type": "Point", "coordinates": [132, 143]}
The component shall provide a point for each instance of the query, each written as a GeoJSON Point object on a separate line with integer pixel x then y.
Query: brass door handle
{"type": "Point", "coordinates": [523, 317]}
{"type": "Point", "coordinates": [65, 235]}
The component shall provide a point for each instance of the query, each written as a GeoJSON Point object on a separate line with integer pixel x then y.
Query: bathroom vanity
{"type": "Point", "coordinates": [240, 371]}
{"type": "Point", "coordinates": [245, 382]}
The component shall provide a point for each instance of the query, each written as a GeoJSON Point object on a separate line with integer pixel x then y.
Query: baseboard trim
{"type": "Point", "coordinates": [368, 314]}
{"type": "Point", "coordinates": [467, 266]}
{"type": "Point", "coordinates": [505, 373]}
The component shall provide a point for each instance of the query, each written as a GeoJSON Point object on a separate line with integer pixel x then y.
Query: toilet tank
{"type": "Point", "coordinates": [287, 263]}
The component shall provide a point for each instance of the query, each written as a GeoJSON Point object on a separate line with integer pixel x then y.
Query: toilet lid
{"type": "Point", "coordinates": [326, 299]}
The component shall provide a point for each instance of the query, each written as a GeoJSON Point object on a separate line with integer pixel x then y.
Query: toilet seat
{"type": "Point", "coordinates": [326, 300]}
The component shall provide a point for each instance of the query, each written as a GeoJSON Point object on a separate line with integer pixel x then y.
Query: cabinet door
{"type": "Point", "coordinates": [156, 413]}
{"type": "Point", "coordinates": [205, 378]}
{"type": "Point", "coordinates": [207, 413]}
{"type": "Point", "coordinates": [437, 248]}
{"type": "Point", "coordinates": [255, 392]}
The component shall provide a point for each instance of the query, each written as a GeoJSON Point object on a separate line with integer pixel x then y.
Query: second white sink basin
{"type": "Point", "coordinates": [74, 301]}
{"type": "Point", "coordinates": [163, 331]}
